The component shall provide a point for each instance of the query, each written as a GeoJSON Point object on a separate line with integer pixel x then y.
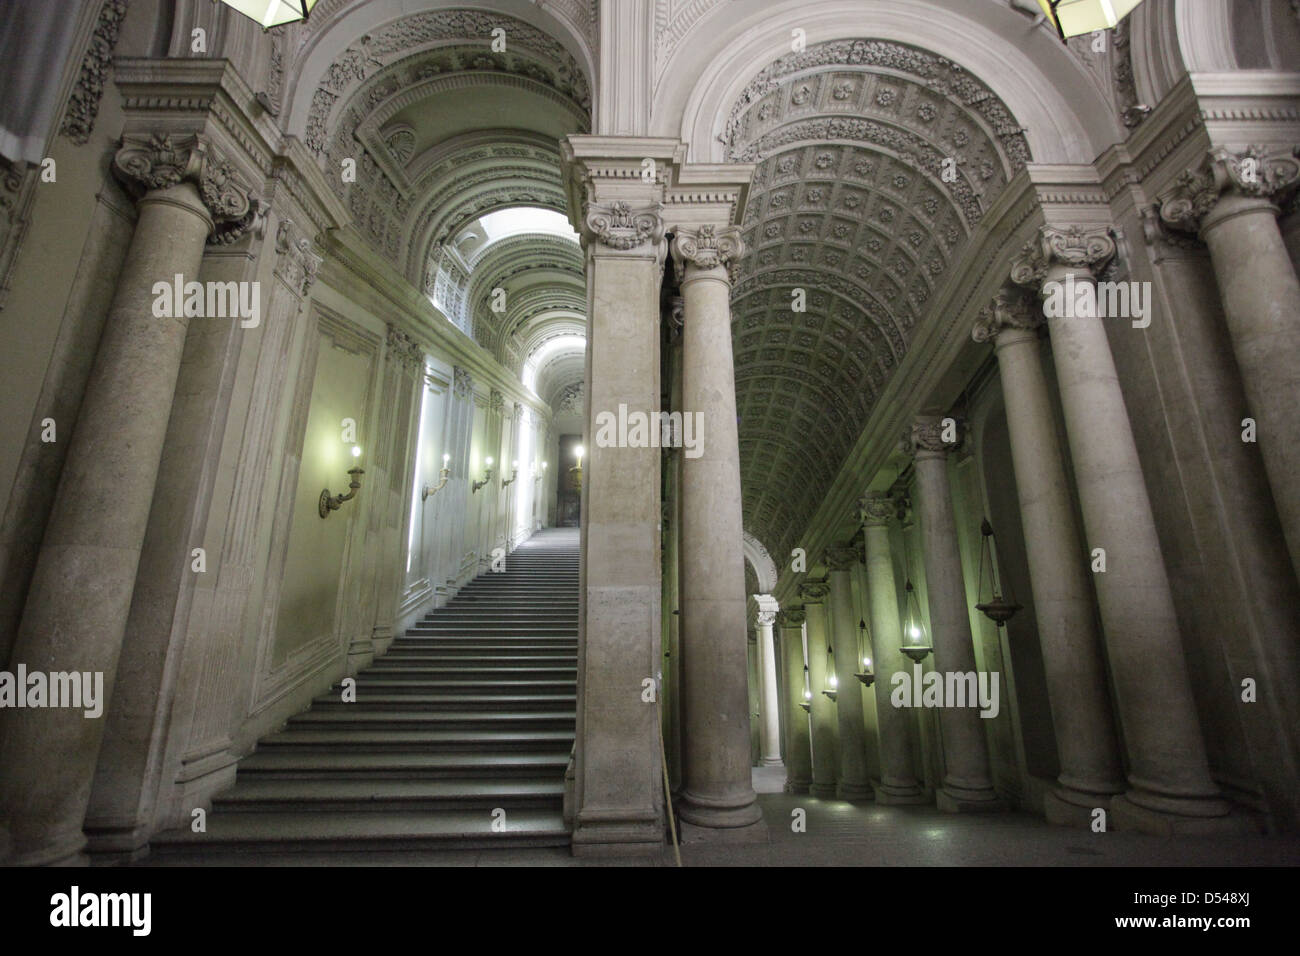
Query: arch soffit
{"type": "Point", "coordinates": [764, 567]}
{"type": "Point", "coordinates": [1039, 80]}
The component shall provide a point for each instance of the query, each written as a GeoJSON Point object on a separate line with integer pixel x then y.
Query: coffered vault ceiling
{"type": "Point", "coordinates": [443, 130]}
{"type": "Point", "coordinates": [850, 204]}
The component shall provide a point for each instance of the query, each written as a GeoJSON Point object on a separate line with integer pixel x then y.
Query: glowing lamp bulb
{"type": "Point", "coordinates": [544, 464]}
{"type": "Point", "coordinates": [807, 695]}
{"type": "Point", "coordinates": [514, 464]}
{"type": "Point", "coordinates": [866, 662]}
{"type": "Point", "coordinates": [914, 633]}
{"type": "Point", "coordinates": [834, 682]}
{"type": "Point", "coordinates": [356, 451]}
{"type": "Point", "coordinates": [445, 459]}
{"type": "Point", "coordinates": [489, 462]}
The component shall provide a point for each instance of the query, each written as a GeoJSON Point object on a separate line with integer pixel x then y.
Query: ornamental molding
{"type": "Point", "coordinates": [404, 349]}
{"type": "Point", "coordinates": [620, 227]}
{"type": "Point", "coordinates": [83, 105]}
{"type": "Point", "coordinates": [463, 382]}
{"type": "Point", "coordinates": [496, 402]}
{"type": "Point", "coordinates": [768, 609]}
{"type": "Point", "coordinates": [1010, 309]}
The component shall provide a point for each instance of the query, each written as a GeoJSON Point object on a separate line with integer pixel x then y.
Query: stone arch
{"type": "Point", "coordinates": [760, 563]}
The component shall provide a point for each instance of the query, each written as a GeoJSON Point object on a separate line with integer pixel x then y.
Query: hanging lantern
{"type": "Point", "coordinates": [1071, 18]}
{"type": "Point", "coordinates": [915, 644]}
{"type": "Point", "coordinates": [867, 675]}
{"type": "Point", "coordinates": [272, 13]}
{"type": "Point", "coordinates": [996, 609]}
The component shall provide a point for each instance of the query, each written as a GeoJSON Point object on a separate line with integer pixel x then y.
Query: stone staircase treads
{"type": "Point", "coordinates": [472, 710]}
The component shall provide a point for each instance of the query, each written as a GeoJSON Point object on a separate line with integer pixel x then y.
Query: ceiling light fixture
{"type": "Point", "coordinates": [1072, 18]}
{"type": "Point", "coordinates": [272, 13]}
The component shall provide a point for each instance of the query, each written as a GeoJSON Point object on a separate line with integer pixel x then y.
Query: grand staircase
{"type": "Point", "coordinates": [458, 738]}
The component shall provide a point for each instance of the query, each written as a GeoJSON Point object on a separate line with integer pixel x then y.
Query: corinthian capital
{"type": "Point", "coordinates": [792, 616]}
{"type": "Point", "coordinates": [1010, 309]}
{"type": "Point", "coordinates": [934, 436]}
{"type": "Point", "coordinates": [1077, 248]}
{"type": "Point", "coordinates": [814, 592]}
{"type": "Point", "coordinates": [619, 227]}
{"type": "Point", "coordinates": [876, 508]}
{"type": "Point", "coordinates": [160, 160]}
{"type": "Point", "coordinates": [707, 247]}
{"type": "Point", "coordinates": [841, 558]}
{"type": "Point", "coordinates": [1257, 171]}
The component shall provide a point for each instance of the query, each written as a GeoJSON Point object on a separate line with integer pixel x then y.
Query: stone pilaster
{"type": "Point", "coordinates": [1072, 654]}
{"type": "Point", "coordinates": [770, 728]}
{"type": "Point", "coordinates": [825, 756]}
{"type": "Point", "coordinates": [898, 783]}
{"type": "Point", "coordinates": [1169, 778]}
{"type": "Point", "coordinates": [618, 776]}
{"type": "Point", "coordinates": [854, 782]}
{"type": "Point", "coordinates": [967, 781]}
{"type": "Point", "coordinates": [1232, 201]}
{"type": "Point", "coordinates": [798, 750]}
{"type": "Point", "coordinates": [80, 596]}
{"type": "Point", "coordinates": [716, 789]}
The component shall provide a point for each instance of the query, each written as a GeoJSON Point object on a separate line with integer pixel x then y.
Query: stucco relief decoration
{"type": "Point", "coordinates": [297, 262]}
{"type": "Point", "coordinates": [618, 226]}
{"type": "Point", "coordinates": [1077, 247]}
{"type": "Point", "coordinates": [83, 105]}
{"type": "Point", "coordinates": [709, 247]}
{"type": "Point", "coordinates": [1256, 171]}
{"type": "Point", "coordinates": [404, 349]}
{"type": "Point", "coordinates": [1010, 309]}
{"type": "Point", "coordinates": [158, 161]}
{"type": "Point", "coordinates": [572, 399]}
{"type": "Point", "coordinates": [876, 509]}
{"type": "Point", "coordinates": [929, 437]}
{"type": "Point", "coordinates": [463, 383]}
{"type": "Point", "coordinates": [496, 402]}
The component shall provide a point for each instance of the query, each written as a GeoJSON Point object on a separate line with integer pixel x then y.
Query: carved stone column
{"type": "Point", "coordinates": [618, 774]}
{"type": "Point", "coordinates": [898, 783]}
{"type": "Point", "coordinates": [717, 788]}
{"type": "Point", "coordinates": [770, 728]}
{"type": "Point", "coordinates": [854, 782]}
{"type": "Point", "coordinates": [1169, 776]}
{"type": "Point", "coordinates": [1072, 655]}
{"type": "Point", "coordinates": [77, 605]}
{"type": "Point", "coordinates": [1233, 200]}
{"type": "Point", "coordinates": [967, 781]}
{"type": "Point", "coordinates": [798, 752]}
{"type": "Point", "coordinates": [825, 758]}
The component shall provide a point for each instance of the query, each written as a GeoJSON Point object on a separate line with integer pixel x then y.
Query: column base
{"type": "Point", "coordinates": [709, 812]}
{"type": "Point", "coordinates": [1070, 808]}
{"type": "Point", "coordinates": [750, 833]}
{"type": "Point", "coordinates": [955, 800]}
{"type": "Point", "coordinates": [771, 762]}
{"type": "Point", "coordinates": [856, 792]}
{"type": "Point", "coordinates": [893, 795]}
{"type": "Point", "coordinates": [795, 786]}
{"type": "Point", "coordinates": [632, 838]}
{"type": "Point", "coordinates": [68, 850]}
{"type": "Point", "coordinates": [822, 791]}
{"type": "Point", "coordinates": [1125, 814]}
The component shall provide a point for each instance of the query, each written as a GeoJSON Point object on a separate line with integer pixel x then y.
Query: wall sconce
{"type": "Point", "coordinates": [867, 676]}
{"type": "Point", "coordinates": [806, 703]}
{"type": "Point", "coordinates": [996, 609]}
{"type": "Point", "coordinates": [434, 489]}
{"type": "Point", "coordinates": [914, 645]}
{"type": "Point", "coordinates": [514, 473]}
{"type": "Point", "coordinates": [330, 502]}
{"type": "Point", "coordinates": [576, 471]}
{"type": "Point", "coordinates": [833, 691]}
{"type": "Point", "coordinates": [539, 473]}
{"type": "Point", "coordinates": [487, 476]}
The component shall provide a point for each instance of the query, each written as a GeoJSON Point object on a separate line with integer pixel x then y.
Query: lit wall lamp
{"type": "Point", "coordinates": [867, 676]}
{"type": "Point", "coordinates": [834, 689]}
{"type": "Point", "coordinates": [576, 471]}
{"type": "Point", "coordinates": [272, 13]}
{"type": "Point", "coordinates": [514, 473]}
{"type": "Point", "coordinates": [914, 643]}
{"type": "Point", "coordinates": [329, 502]}
{"type": "Point", "coordinates": [539, 473]}
{"type": "Point", "coordinates": [434, 489]}
{"type": "Point", "coordinates": [1072, 18]}
{"type": "Point", "coordinates": [997, 609]}
{"type": "Point", "coordinates": [806, 703]}
{"type": "Point", "coordinates": [487, 476]}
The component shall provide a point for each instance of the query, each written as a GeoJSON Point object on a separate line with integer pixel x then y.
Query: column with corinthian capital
{"type": "Point", "coordinates": [898, 783]}
{"type": "Point", "coordinates": [1233, 201]}
{"type": "Point", "coordinates": [1072, 654]}
{"type": "Point", "coordinates": [769, 731]}
{"type": "Point", "coordinates": [854, 783]}
{"type": "Point", "coordinates": [825, 758]}
{"type": "Point", "coordinates": [1170, 788]}
{"type": "Point", "coordinates": [80, 595]}
{"type": "Point", "coordinates": [967, 780]}
{"type": "Point", "coordinates": [798, 753]}
{"type": "Point", "coordinates": [717, 787]}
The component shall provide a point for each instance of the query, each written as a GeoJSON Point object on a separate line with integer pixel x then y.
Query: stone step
{"type": "Point", "coordinates": [386, 796]}
{"type": "Point", "coordinates": [353, 718]}
{"type": "Point", "coordinates": [412, 704]}
{"type": "Point", "coordinates": [402, 765]}
{"type": "Point", "coordinates": [370, 740]}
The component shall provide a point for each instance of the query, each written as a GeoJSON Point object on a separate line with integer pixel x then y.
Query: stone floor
{"type": "Point", "coordinates": [842, 834]}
